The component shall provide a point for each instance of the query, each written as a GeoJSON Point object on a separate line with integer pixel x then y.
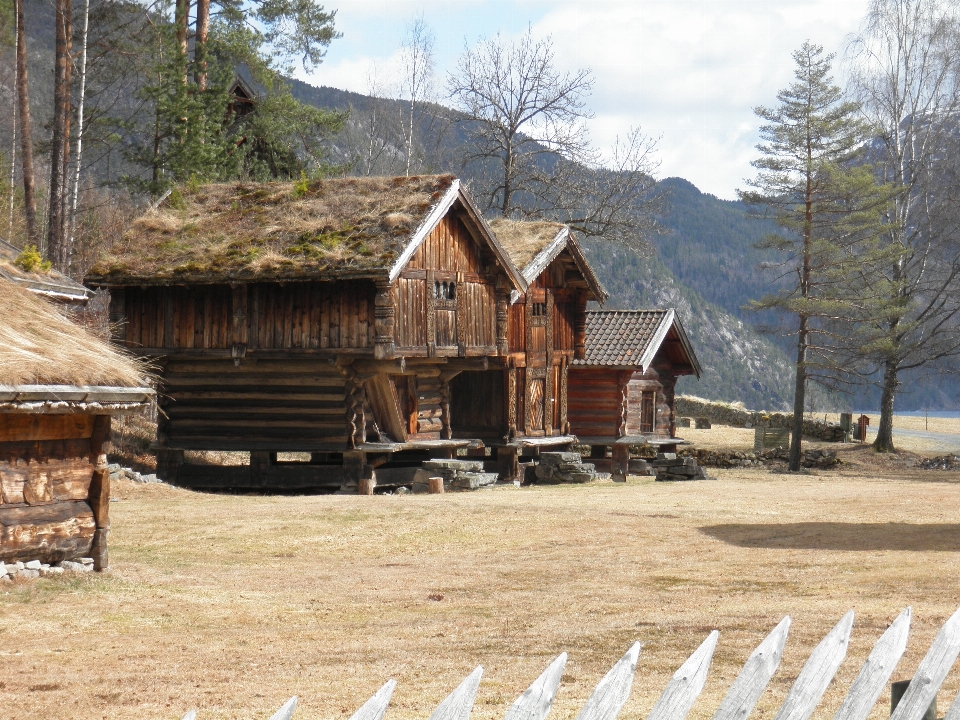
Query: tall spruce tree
{"type": "Point", "coordinates": [828, 208]}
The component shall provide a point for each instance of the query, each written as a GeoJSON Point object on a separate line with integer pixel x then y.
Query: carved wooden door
{"type": "Point", "coordinates": [539, 325]}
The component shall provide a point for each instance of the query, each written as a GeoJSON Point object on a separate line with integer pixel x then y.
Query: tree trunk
{"type": "Point", "coordinates": [884, 441]}
{"type": "Point", "coordinates": [200, 49]}
{"type": "Point", "coordinates": [26, 132]}
{"type": "Point", "coordinates": [56, 245]}
{"type": "Point", "coordinates": [182, 19]}
{"type": "Point", "coordinates": [67, 132]}
{"type": "Point", "coordinates": [78, 152]}
{"type": "Point", "coordinates": [799, 397]}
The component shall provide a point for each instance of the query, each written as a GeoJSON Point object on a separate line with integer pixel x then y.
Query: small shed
{"type": "Point", "coordinates": [328, 318]}
{"type": "Point", "coordinates": [546, 328]}
{"type": "Point", "coordinates": [622, 391]}
{"type": "Point", "coordinates": [59, 387]}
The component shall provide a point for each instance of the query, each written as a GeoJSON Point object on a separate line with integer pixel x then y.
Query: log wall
{"type": "Point", "coordinates": [54, 487]}
{"type": "Point", "coordinates": [276, 405]}
{"type": "Point", "coordinates": [611, 403]}
{"type": "Point", "coordinates": [259, 316]}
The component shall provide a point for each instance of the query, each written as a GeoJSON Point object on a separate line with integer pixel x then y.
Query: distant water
{"type": "Point", "coordinates": [949, 414]}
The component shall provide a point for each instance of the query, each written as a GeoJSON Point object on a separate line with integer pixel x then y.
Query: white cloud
{"type": "Point", "coordinates": [689, 71]}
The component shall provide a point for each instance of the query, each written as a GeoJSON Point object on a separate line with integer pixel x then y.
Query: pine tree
{"type": "Point", "coordinates": [828, 208]}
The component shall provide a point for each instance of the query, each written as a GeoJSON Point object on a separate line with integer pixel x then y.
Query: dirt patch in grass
{"type": "Point", "coordinates": [232, 604]}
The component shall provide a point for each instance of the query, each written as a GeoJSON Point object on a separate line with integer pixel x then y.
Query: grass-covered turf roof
{"type": "Point", "coordinates": [345, 227]}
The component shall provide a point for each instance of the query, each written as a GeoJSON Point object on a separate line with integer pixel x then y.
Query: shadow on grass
{"type": "Point", "coordinates": [839, 536]}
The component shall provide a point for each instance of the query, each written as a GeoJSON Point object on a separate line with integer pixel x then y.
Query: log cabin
{"type": "Point", "coordinates": [621, 392]}
{"type": "Point", "coordinates": [59, 387]}
{"type": "Point", "coordinates": [328, 318]}
{"type": "Point", "coordinates": [524, 402]}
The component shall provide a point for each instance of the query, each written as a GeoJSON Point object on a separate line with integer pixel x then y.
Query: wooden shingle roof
{"type": "Point", "coordinates": [632, 338]}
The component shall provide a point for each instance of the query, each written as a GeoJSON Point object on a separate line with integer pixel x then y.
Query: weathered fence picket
{"type": "Point", "coordinates": [685, 685]}
{"type": "Point", "coordinates": [677, 699]}
{"type": "Point", "coordinates": [756, 673]}
{"type": "Point", "coordinates": [932, 671]}
{"type": "Point", "coordinates": [612, 692]}
{"type": "Point", "coordinates": [876, 671]}
{"type": "Point", "coordinates": [537, 699]}
{"type": "Point", "coordinates": [459, 704]}
{"type": "Point", "coordinates": [817, 673]}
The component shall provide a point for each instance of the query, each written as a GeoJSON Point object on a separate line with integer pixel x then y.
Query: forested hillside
{"type": "Point", "coordinates": [704, 263]}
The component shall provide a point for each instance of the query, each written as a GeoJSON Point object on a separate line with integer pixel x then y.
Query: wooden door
{"type": "Point", "coordinates": [539, 324]}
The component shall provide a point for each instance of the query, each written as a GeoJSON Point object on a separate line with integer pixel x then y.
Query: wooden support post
{"type": "Point", "coordinates": [508, 463]}
{"type": "Point", "coordinates": [169, 461]}
{"type": "Point", "coordinates": [436, 486]}
{"type": "Point", "coordinates": [384, 321]}
{"type": "Point", "coordinates": [446, 432]}
{"type": "Point", "coordinates": [98, 550]}
{"type": "Point", "coordinates": [620, 467]}
{"type": "Point", "coordinates": [259, 462]}
{"type": "Point", "coordinates": [355, 471]}
{"type": "Point", "coordinates": [99, 439]}
{"type": "Point", "coordinates": [503, 308]}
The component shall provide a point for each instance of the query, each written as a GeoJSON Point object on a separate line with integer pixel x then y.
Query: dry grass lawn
{"type": "Point", "coordinates": [230, 604]}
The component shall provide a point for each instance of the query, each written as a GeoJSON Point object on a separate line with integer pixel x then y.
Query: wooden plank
{"type": "Point", "coordinates": [459, 704]}
{"type": "Point", "coordinates": [746, 690]}
{"type": "Point", "coordinates": [36, 482]}
{"type": "Point", "coordinates": [18, 427]}
{"type": "Point", "coordinates": [931, 673]}
{"type": "Point", "coordinates": [536, 701]}
{"type": "Point", "coordinates": [613, 690]}
{"type": "Point", "coordinates": [686, 684]}
{"type": "Point", "coordinates": [46, 532]}
{"type": "Point", "coordinates": [817, 673]}
{"type": "Point", "coordinates": [286, 710]}
{"type": "Point", "coordinates": [375, 707]}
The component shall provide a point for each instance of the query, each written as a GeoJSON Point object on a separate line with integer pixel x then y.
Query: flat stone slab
{"type": "Point", "coordinates": [456, 465]}
{"type": "Point", "coordinates": [555, 458]}
{"type": "Point", "coordinates": [473, 481]}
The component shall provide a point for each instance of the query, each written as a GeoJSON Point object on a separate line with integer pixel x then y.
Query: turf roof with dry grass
{"type": "Point", "coordinates": [533, 244]}
{"type": "Point", "coordinates": [524, 240]}
{"type": "Point", "coordinates": [39, 346]}
{"type": "Point", "coordinates": [335, 228]}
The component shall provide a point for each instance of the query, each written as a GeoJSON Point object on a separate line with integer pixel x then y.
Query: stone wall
{"type": "Point", "coordinates": [735, 415]}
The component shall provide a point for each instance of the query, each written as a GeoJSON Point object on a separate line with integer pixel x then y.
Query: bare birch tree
{"type": "Point", "coordinates": [905, 72]}
{"type": "Point", "coordinates": [417, 67]}
{"type": "Point", "coordinates": [528, 143]}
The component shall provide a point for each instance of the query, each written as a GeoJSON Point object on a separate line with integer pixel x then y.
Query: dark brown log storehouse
{"type": "Point", "coordinates": [59, 387]}
{"type": "Point", "coordinates": [330, 318]}
{"type": "Point", "coordinates": [622, 390]}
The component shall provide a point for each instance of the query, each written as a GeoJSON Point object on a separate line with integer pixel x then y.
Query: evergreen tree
{"type": "Point", "coordinates": [828, 209]}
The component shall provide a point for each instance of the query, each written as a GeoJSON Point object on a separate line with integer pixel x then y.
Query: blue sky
{"type": "Point", "coordinates": [687, 71]}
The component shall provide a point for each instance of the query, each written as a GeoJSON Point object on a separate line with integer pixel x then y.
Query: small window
{"type": "Point", "coordinates": [539, 309]}
{"type": "Point", "coordinates": [445, 290]}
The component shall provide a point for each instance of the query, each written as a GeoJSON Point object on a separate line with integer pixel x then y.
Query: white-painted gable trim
{"type": "Point", "coordinates": [426, 227]}
{"type": "Point", "coordinates": [653, 347]}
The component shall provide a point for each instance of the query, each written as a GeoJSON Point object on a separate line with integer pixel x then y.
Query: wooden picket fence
{"type": "Point", "coordinates": [683, 689]}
